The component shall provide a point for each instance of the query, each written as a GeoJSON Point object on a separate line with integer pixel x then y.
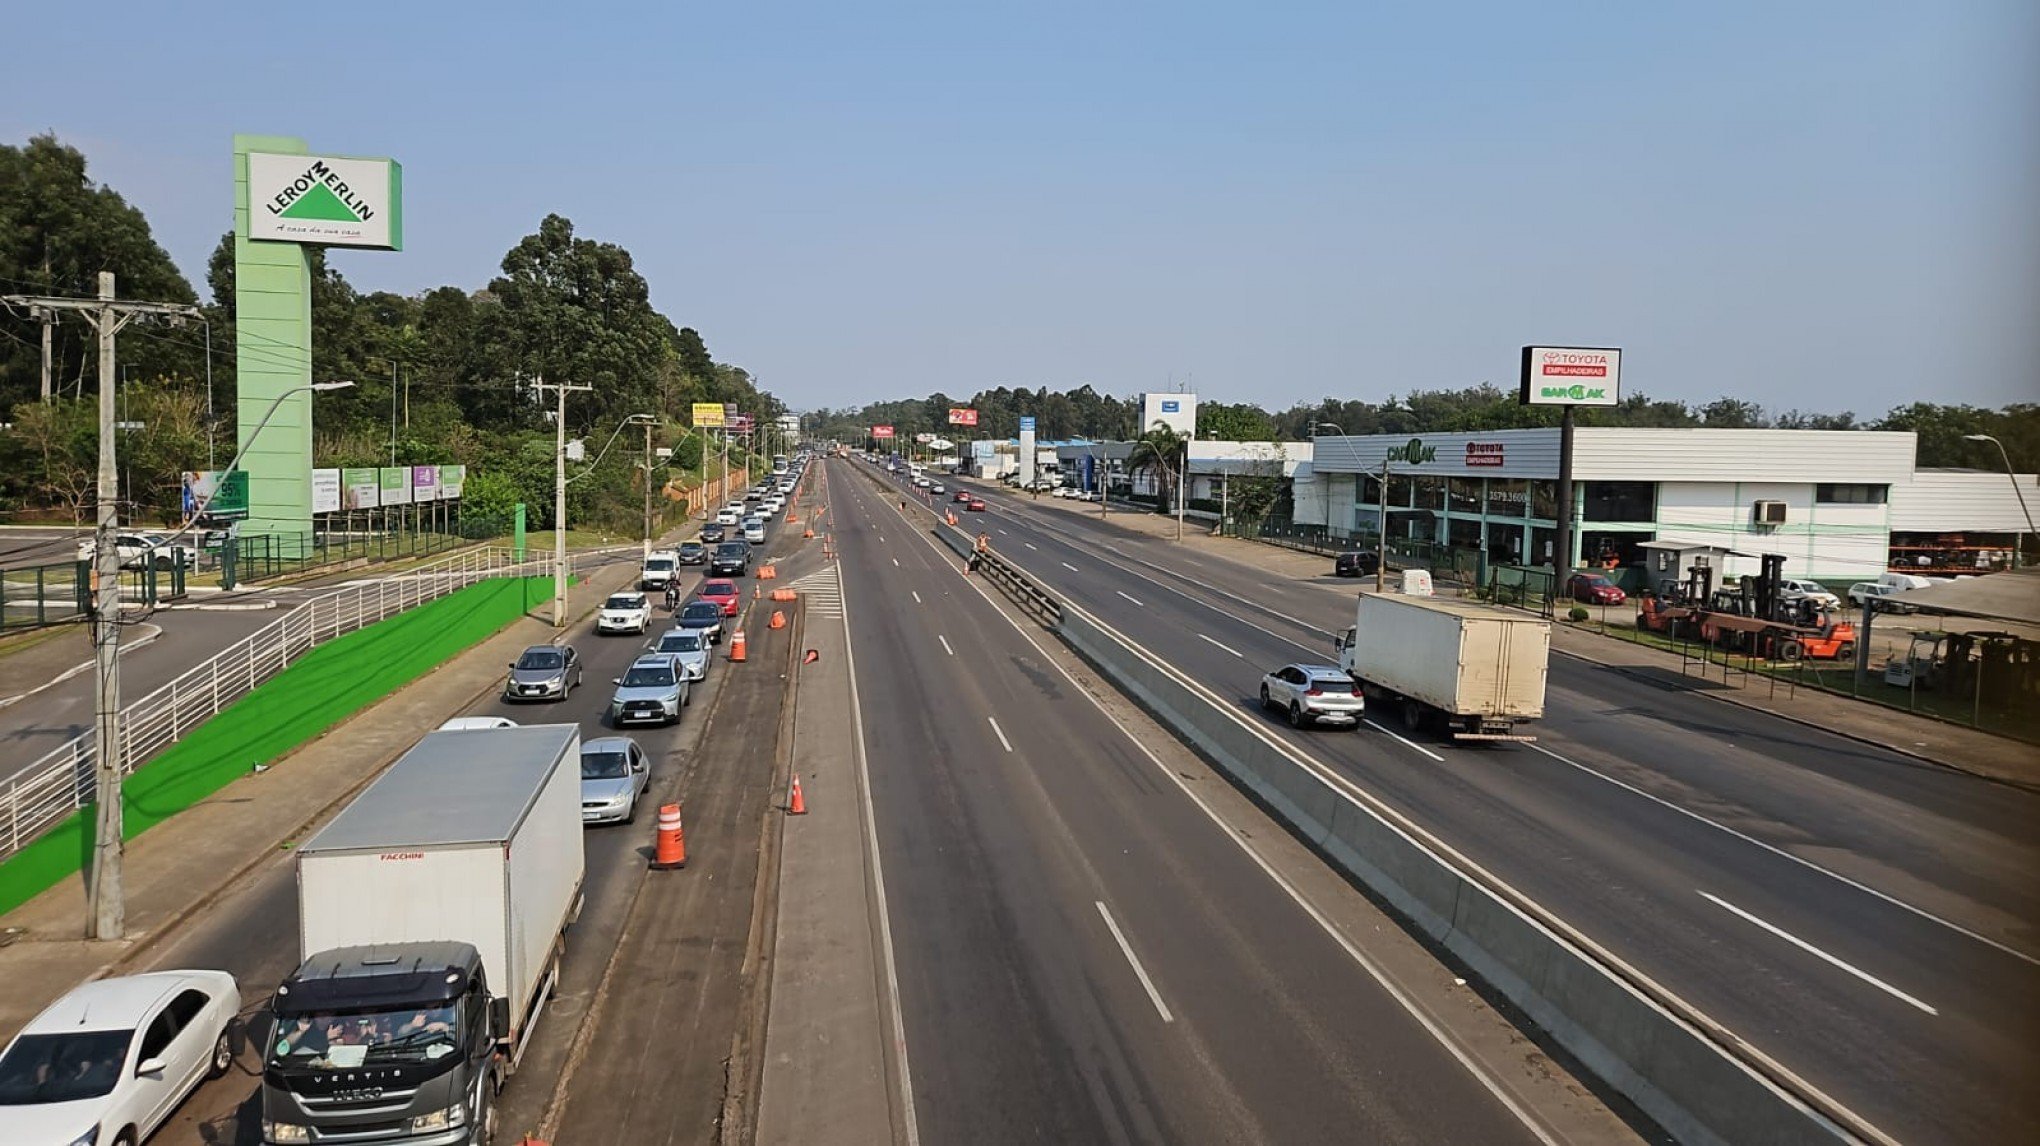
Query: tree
{"type": "Point", "coordinates": [1234, 422]}
{"type": "Point", "coordinates": [1160, 451]}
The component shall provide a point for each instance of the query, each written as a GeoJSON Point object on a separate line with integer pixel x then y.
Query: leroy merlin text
{"type": "Point", "coordinates": [318, 172]}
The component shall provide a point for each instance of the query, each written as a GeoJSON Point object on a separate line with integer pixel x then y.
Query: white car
{"type": "Point", "coordinates": [1314, 694]}
{"type": "Point", "coordinates": [139, 550]}
{"type": "Point", "coordinates": [687, 646]}
{"type": "Point", "coordinates": [1864, 592]}
{"type": "Point", "coordinates": [476, 723]}
{"type": "Point", "coordinates": [1792, 589]}
{"type": "Point", "coordinates": [773, 504]}
{"type": "Point", "coordinates": [107, 1063]}
{"type": "Point", "coordinates": [729, 515]}
{"type": "Point", "coordinates": [624, 613]}
{"type": "Point", "coordinates": [754, 530]}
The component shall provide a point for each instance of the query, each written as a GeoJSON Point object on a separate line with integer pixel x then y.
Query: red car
{"type": "Point", "coordinates": [723, 592]}
{"type": "Point", "coordinates": [962, 497]}
{"type": "Point", "coordinates": [1594, 589]}
{"type": "Point", "coordinates": [977, 505]}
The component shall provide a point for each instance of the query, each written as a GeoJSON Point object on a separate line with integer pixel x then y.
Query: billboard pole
{"type": "Point", "coordinates": [1561, 557]}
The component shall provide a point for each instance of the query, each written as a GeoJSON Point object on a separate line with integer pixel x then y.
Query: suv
{"type": "Point", "coordinates": [654, 688]}
{"type": "Point", "coordinates": [731, 559]}
{"type": "Point", "coordinates": [1314, 694]}
{"type": "Point", "coordinates": [1356, 563]}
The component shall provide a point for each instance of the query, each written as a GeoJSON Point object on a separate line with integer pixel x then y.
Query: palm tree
{"type": "Point", "coordinates": [1161, 451]}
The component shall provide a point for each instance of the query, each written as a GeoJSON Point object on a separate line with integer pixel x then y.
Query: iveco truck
{"type": "Point", "coordinates": [432, 916]}
{"type": "Point", "coordinates": [1475, 671]}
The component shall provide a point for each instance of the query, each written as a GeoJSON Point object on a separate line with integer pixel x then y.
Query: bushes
{"type": "Point", "coordinates": [1577, 613]}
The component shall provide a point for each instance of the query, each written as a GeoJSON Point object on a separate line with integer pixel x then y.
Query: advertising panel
{"type": "Point", "coordinates": [360, 489]}
{"type": "Point", "coordinates": [325, 491]}
{"type": "Point", "coordinates": [216, 493]}
{"type": "Point", "coordinates": [1571, 376]}
{"type": "Point", "coordinates": [924, 438]}
{"type": "Point", "coordinates": [424, 484]}
{"type": "Point", "coordinates": [326, 200]}
{"type": "Point", "coordinates": [881, 431]}
{"type": "Point", "coordinates": [1176, 411]}
{"type": "Point", "coordinates": [962, 416]}
{"type": "Point", "coordinates": [708, 414]}
{"type": "Point", "coordinates": [451, 479]}
{"type": "Point", "coordinates": [396, 485]}
{"type": "Point", "coordinates": [1027, 424]}
{"type": "Point", "coordinates": [940, 445]}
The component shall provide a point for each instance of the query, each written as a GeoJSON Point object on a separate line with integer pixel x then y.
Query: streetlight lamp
{"type": "Point", "coordinates": [2020, 493]}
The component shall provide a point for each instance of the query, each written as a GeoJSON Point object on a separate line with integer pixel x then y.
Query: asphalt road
{"type": "Point", "coordinates": [1083, 955]}
{"type": "Point", "coordinates": [1862, 917]}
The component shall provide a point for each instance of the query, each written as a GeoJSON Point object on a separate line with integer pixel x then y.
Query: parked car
{"type": "Point", "coordinates": [543, 672]}
{"type": "Point", "coordinates": [692, 553]}
{"type": "Point", "coordinates": [653, 688]}
{"type": "Point", "coordinates": [1594, 589]}
{"type": "Point", "coordinates": [754, 530]}
{"type": "Point", "coordinates": [689, 647]}
{"type": "Point", "coordinates": [713, 534]}
{"type": "Point", "coordinates": [140, 550]}
{"type": "Point", "coordinates": [624, 613]}
{"type": "Point", "coordinates": [704, 617]}
{"type": "Point", "coordinates": [731, 559]}
{"type": "Point", "coordinates": [614, 773]}
{"type": "Point", "coordinates": [477, 724]}
{"type": "Point", "coordinates": [1313, 694]}
{"type": "Point", "coordinates": [108, 1062]}
{"type": "Point", "coordinates": [1796, 589]}
{"type": "Point", "coordinates": [1864, 592]}
{"type": "Point", "coordinates": [1356, 563]}
{"type": "Point", "coordinates": [722, 592]}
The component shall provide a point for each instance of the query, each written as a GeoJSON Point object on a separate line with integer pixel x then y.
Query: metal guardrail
{"type": "Point", "coordinates": [61, 781]}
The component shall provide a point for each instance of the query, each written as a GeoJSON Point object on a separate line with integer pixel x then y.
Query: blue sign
{"type": "Point", "coordinates": [1171, 406]}
{"type": "Point", "coordinates": [1026, 425]}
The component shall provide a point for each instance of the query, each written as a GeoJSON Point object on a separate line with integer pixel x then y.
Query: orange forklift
{"type": "Point", "coordinates": [1751, 618]}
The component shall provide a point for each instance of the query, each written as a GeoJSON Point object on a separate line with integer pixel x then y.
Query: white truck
{"type": "Point", "coordinates": [432, 913]}
{"type": "Point", "coordinates": [1475, 670]}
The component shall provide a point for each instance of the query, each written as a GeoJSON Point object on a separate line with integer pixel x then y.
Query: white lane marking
{"type": "Point", "coordinates": [1002, 531]}
{"type": "Point", "coordinates": [1817, 953]}
{"type": "Point", "coordinates": [1129, 596]}
{"type": "Point", "coordinates": [1411, 743]}
{"type": "Point", "coordinates": [1069, 567]}
{"type": "Point", "coordinates": [895, 562]}
{"type": "Point", "coordinates": [945, 644]}
{"type": "Point", "coordinates": [1000, 732]}
{"type": "Point", "coordinates": [912, 1129]}
{"type": "Point", "coordinates": [1374, 970]}
{"type": "Point", "coordinates": [1227, 648]}
{"type": "Point", "coordinates": [917, 596]}
{"type": "Point", "coordinates": [1029, 544]}
{"type": "Point", "coordinates": [1126, 949]}
{"type": "Point", "coordinates": [1801, 861]}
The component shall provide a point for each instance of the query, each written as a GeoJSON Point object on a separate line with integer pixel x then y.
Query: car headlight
{"type": "Point", "coordinates": [285, 1132]}
{"type": "Point", "coordinates": [452, 1116]}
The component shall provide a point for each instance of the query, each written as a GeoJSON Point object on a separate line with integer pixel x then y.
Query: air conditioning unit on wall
{"type": "Point", "coordinates": [1767, 513]}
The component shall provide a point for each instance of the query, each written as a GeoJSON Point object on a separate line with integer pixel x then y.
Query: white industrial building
{"type": "Point", "coordinates": [1840, 504]}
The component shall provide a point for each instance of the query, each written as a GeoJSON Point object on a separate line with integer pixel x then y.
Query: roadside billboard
{"type": "Point", "coordinates": [326, 200]}
{"type": "Point", "coordinates": [325, 491]}
{"type": "Point", "coordinates": [359, 488]}
{"type": "Point", "coordinates": [451, 480]}
{"type": "Point", "coordinates": [424, 484]}
{"type": "Point", "coordinates": [216, 493]}
{"type": "Point", "coordinates": [1176, 411]}
{"type": "Point", "coordinates": [962, 416]}
{"type": "Point", "coordinates": [1571, 376]}
{"type": "Point", "coordinates": [708, 414]}
{"type": "Point", "coordinates": [396, 485]}
{"type": "Point", "coordinates": [882, 432]}
{"type": "Point", "coordinates": [924, 438]}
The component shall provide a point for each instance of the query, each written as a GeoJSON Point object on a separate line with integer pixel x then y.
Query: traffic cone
{"type": "Point", "coordinates": [672, 847]}
{"type": "Point", "coordinates": [778, 619]}
{"type": "Point", "coordinates": [810, 532]}
{"type": "Point", "coordinates": [796, 805]}
{"type": "Point", "coordinates": [737, 651]}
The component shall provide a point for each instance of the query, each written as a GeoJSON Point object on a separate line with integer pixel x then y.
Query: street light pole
{"type": "Point", "coordinates": [2020, 551]}
{"type": "Point", "coordinates": [648, 488]}
{"type": "Point", "coordinates": [559, 610]}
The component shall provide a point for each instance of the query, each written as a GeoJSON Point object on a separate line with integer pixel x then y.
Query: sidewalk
{"type": "Point", "coordinates": [825, 1078]}
{"type": "Point", "coordinates": [1950, 745]}
{"type": "Point", "coordinates": [187, 862]}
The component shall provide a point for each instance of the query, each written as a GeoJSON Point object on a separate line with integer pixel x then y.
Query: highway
{"type": "Point", "coordinates": [1083, 954]}
{"type": "Point", "coordinates": [1860, 917]}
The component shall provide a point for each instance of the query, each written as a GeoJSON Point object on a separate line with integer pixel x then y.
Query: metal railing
{"type": "Point", "coordinates": [61, 780]}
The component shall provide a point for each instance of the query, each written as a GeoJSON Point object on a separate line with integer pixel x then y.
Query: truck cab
{"type": "Point", "coordinates": [392, 1043]}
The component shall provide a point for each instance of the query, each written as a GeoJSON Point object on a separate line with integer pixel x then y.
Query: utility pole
{"type": "Point", "coordinates": [1381, 533]}
{"type": "Point", "coordinates": [48, 320]}
{"type": "Point", "coordinates": [559, 496]}
{"type": "Point", "coordinates": [648, 489]}
{"type": "Point", "coordinates": [106, 901]}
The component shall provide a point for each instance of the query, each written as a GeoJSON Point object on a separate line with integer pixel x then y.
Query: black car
{"type": "Point", "coordinates": [693, 553]}
{"type": "Point", "coordinates": [713, 534]}
{"type": "Point", "coordinates": [731, 559]}
{"type": "Point", "coordinates": [1356, 563]}
{"type": "Point", "coordinates": [704, 617]}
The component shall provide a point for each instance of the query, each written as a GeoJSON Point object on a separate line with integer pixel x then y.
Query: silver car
{"type": "Point", "coordinates": [689, 647]}
{"type": "Point", "coordinates": [614, 774]}
{"type": "Point", "coordinates": [654, 689]}
{"type": "Point", "coordinates": [543, 672]}
{"type": "Point", "coordinates": [1314, 694]}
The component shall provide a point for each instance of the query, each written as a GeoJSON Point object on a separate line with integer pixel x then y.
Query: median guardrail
{"type": "Point", "coordinates": [61, 781]}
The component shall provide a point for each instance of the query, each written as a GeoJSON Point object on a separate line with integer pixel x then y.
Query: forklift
{"type": "Point", "coordinates": [1750, 617]}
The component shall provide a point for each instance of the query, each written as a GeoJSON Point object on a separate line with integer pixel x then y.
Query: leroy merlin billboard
{"type": "Point", "coordinates": [326, 200]}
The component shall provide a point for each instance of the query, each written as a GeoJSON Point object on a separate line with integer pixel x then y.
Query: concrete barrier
{"type": "Point", "coordinates": [1695, 1087]}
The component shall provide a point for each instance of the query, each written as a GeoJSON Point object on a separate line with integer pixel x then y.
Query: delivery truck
{"type": "Point", "coordinates": [1475, 671]}
{"type": "Point", "coordinates": [432, 914]}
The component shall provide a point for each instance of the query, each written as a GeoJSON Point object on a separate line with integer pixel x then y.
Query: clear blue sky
{"type": "Point", "coordinates": [1817, 205]}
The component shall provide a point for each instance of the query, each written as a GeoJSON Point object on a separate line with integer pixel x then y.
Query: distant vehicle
{"type": "Point", "coordinates": [614, 773]}
{"type": "Point", "coordinates": [962, 496]}
{"type": "Point", "coordinates": [653, 688]}
{"type": "Point", "coordinates": [624, 613]}
{"type": "Point", "coordinates": [543, 672]}
{"type": "Point", "coordinates": [937, 488]}
{"type": "Point", "coordinates": [772, 504]}
{"type": "Point", "coordinates": [1477, 670]}
{"type": "Point", "coordinates": [1799, 589]}
{"type": "Point", "coordinates": [723, 593]}
{"type": "Point", "coordinates": [692, 553]}
{"type": "Point", "coordinates": [1864, 592]}
{"type": "Point", "coordinates": [1314, 694]}
{"type": "Point", "coordinates": [1087, 495]}
{"type": "Point", "coordinates": [713, 533]}
{"type": "Point", "coordinates": [1066, 491]}
{"type": "Point", "coordinates": [976, 505]}
{"type": "Point", "coordinates": [658, 569]}
{"type": "Point", "coordinates": [731, 558]}
{"type": "Point", "coordinates": [754, 530]}
{"type": "Point", "coordinates": [1594, 589]}
{"type": "Point", "coordinates": [1905, 582]}
{"type": "Point", "coordinates": [477, 724]}
{"type": "Point", "coordinates": [704, 617]}
{"type": "Point", "coordinates": [728, 515]}
{"type": "Point", "coordinates": [755, 493]}
{"type": "Point", "coordinates": [1356, 563]}
{"type": "Point", "coordinates": [689, 647]}
{"type": "Point", "coordinates": [140, 550]}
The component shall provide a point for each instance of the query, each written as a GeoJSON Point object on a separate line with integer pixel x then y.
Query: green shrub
{"type": "Point", "coordinates": [1577, 613]}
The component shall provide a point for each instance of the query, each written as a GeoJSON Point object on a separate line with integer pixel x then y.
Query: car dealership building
{"type": "Point", "coordinates": [1842, 505]}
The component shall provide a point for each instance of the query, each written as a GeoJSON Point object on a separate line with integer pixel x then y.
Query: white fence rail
{"type": "Point", "coordinates": [44, 793]}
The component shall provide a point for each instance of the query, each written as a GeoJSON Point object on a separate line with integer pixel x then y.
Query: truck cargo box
{"type": "Point", "coordinates": [1481, 667]}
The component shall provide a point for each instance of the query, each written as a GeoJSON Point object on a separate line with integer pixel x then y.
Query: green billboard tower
{"type": "Point", "coordinates": [285, 200]}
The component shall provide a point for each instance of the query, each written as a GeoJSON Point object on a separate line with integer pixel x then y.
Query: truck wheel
{"type": "Point", "coordinates": [1296, 717]}
{"type": "Point", "coordinates": [1412, 716]}
{"type": "Point", "coordinates": [1845, 651]}
{"type": "Point", "coordinates": [1791, 651]}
